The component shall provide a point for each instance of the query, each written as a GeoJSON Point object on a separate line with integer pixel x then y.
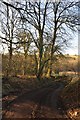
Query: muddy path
{"type": "Point", "coordinates": [39, 103]}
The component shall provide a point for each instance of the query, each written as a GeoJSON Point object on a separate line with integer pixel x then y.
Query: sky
{"type": "Point", "coordinates": [72, 50]}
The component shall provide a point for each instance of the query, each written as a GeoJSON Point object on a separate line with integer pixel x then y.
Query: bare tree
{"type": "Point", "coordinates": [51, 21]}
{"type": "Point", "coordinates": [25, 38]}
{"type": "Point", "coordinates": [65, 19]}
{"type": "Point", "coordinates": [8, 27]}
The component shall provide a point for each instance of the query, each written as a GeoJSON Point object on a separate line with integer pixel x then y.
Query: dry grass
{"type": "Point", "coordinates": [71, 94]}
{"type": "Point", "coordinates": [71, 98]}
{"type": "Point", "coordinates": [21, 84]}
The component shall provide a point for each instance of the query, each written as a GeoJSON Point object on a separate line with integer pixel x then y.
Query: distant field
{"type": "Point", "coordinates": [70, 73]}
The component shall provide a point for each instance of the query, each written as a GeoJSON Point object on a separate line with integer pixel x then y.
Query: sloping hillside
{"type": "Point", "coordinates": [71, 97]}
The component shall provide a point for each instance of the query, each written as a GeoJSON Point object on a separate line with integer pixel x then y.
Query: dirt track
{"type": "Point", "coordinates": [40, 103]}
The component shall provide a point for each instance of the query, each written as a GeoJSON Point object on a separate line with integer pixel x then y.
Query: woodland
{"type": "Point", "coordinates": [38, 79]}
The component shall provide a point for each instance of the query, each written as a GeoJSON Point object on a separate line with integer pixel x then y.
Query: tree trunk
{"type": "Point", "coordinates": [25, 61]}
{"type": "Point", "coordinates": [10, 58]}
{"type": "Point", "coordinates": [39, 71]}
{"type": "Point", "coordinates": [52, 49]}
